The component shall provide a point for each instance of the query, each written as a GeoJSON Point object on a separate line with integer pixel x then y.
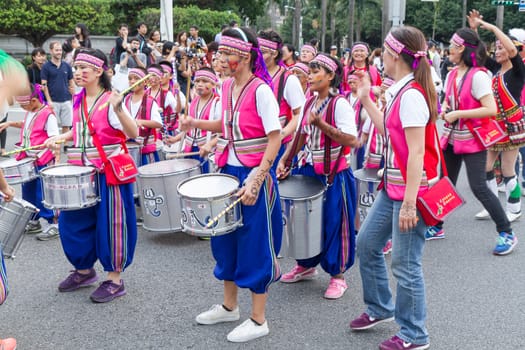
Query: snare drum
{"type": "Point", "coordinates": [202, 198]}
{"type": "Point", "coordinates": [159, 203]}
{"type": "Point", "coordinates": [367, 181]}
{"type": "Point", "coordinates": [169, 150]}
{"type": "Point", "coordinates": [14, 217]}
{"type": "Point", "coordinates": [302, 200]}
{"type": "Point", "coordinates": [134, 152]}
{"type": "Point", "coordinates": [18, 171]}
{"type": "Point", "coordinates": [69, 187]}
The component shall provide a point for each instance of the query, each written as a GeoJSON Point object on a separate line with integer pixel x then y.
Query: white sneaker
{"type": "Point", "coordinates": [50, 232]}
{"type": "Point", "coordinates": [483, 215]}
{"type": "Point", "coordinates": [247, 331]}
{"type": "Point", "coordinates": [217, 314]}
{"type": "Point", "coordinates": [513, 216]}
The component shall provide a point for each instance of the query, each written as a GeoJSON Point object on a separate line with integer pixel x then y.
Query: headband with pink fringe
{"type": "Point", "coordinates": [398, 47]}
{"type": "Point", "coordinates": [139, 73]}
{"type": "Point", "coordinates": [84, 58]}
{"type": "Point", "coordinates": [236, 46]}
{"type": "Point", "coordinates": [325, 62]}
{"type": "Point", "coordinates": [359, 47]}
{"type": "Point", "coordinates": [309, 48]}
{"type": "Point", "coordinates": [303, 68]}
{"type": "Point", "coordinates": [268, 44]}
{"type": "Point", "coordinates": [206, 75]}
{"type": "Point", "coordinates": [155, 71]}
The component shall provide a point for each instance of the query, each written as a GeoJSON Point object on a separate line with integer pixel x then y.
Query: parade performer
{"type": "Point", "coordinates": [328, 126]}
{"type": "Point", "coordinates": [38, 125]}
{"type": "Point", "coordinates": [13, 81]}
{"type": "Point", "coordinates": [249, 143]}
{"type": "Point", "coordinates": [106, 231]}
{"type": "Point", "coordinates": [408, 125]}
{"type": "Point", "coordinates": [308, 53]}
{"type": "Point", "coordinates": [169, 84]}
{"type": "Point", "coordinates": [507, 84]}
{"type": "Point", "coordinates": [145, 110]}
{"type": "Point", "coordinates": [359, 61]}
{"type": "Point", "coordinates": [301, 71]}
{"type": "Point", "coordinates": [286, 87]}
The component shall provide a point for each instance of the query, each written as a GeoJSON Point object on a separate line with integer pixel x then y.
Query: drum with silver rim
{"type": "Point", "coordinates": [367, 182]}
{"type": "Point", "coordinates": [134, 150]}
{"type": "Point", "coordinates": [302, 200]}
{"type": "Point", "coordinates": [169, 150]}
{"type": "Point", "coordinates": [14, 217]}
{"type": "Point", "coordinates": [211, 163]}
{"type": "Point", "coordinates": [69, 187]}
{"type": "Point", "coordinates": [159, 202]}
{"type": "Point", "coordinates": [203, 198]}
{"type": "Point", "coordinates": [18, 171]}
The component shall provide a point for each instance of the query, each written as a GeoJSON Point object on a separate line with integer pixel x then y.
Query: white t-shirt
{"type": "Point", "coordinates": [293, 92]}
{"type": "Point", "coordinates": [267, 110]}
{"type": "Point", "coordinates": [113, 118]}
{"type": "Point", "coordinates": [155, 114]}
{"type": "Point", "coordinates": [51, 126]}
{"type": "Point", "coordinates": [481, 84]}
{"type": "Point", "coordinates": [414, 110]}
{"type": "Point", "coordinates": [171, 101]}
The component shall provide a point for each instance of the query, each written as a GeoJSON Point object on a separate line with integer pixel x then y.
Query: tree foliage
{"type": "Point", "coordinates": [38, 20]}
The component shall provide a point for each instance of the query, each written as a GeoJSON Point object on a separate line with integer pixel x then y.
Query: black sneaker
{"type": "Point", "coordinates": [33, 227]}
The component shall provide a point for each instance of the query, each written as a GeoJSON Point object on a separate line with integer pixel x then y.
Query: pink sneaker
{"type": "Point", "coordinates": [336, 288]}
{"type": "Point", "coordinates": [8, 344]}
{"type": "Point", "coordinates": [299, 273]}
{"type": "Point", "coordinates": [388, 247]}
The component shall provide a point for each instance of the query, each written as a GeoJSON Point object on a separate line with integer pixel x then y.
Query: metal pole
{"type": "Point", "coordinates": [464, 17]}
{"type": "Point", "coordinates": [499, 16]}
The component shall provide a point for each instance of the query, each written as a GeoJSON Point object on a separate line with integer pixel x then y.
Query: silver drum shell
{"type": "Point", "coordinates": [14, 217]}
{"type": "Point", "coordinates": [159, 202]}
{"type": "Point", "coordinates": [18, 171]}
{"type": "Point", "coordinates": [302, 217]}
{"type": "Point", "coordinates": [366, 183]}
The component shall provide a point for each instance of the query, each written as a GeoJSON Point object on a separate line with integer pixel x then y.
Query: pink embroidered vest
{"type": "Point", "coordinates": [197, 136]}
{"type": "Point", "coordinates": [285, 111]}
{"type": "Point", "coordinates": [149, 135]}
{"type": "Point", "coordinates": [35, 134]}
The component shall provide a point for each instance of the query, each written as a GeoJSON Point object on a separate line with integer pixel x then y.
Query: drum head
{"type": "Point", "coordinates": [168, 167]}
{"type": "Point", "coordinates": [173, 148]}
{"type": "Point", "coordinates": [300, 186]}
{"type": "Point", "coordinates": [208, 186]}
{"type": "Point", "coordinates": [13, 162]}
{"type": "Point", "coordinates": [366, 174]}
{"type": "Point", "coordinates": [59, 170]}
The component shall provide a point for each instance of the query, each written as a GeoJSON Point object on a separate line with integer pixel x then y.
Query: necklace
{"type": "Point", "coordinates": [322, 106]}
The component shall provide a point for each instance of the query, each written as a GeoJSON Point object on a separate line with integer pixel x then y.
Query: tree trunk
{"type": "Point", "coordinates": [351, 21]}
{"type": "Point", "coordinates": [324, 4]}
{"type": "Point", "coordinates": [385, 20]}
{"type": "Point", "coordinates": [298, 35]}
{"type": "Point", "coordinates": [332, 26]}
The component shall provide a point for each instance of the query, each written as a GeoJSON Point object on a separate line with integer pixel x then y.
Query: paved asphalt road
{"type": "Point", "coordinates": [475, 300]}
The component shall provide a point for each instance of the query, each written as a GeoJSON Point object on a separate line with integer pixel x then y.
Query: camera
{"type": "Point", "coordinates": [134, 50]}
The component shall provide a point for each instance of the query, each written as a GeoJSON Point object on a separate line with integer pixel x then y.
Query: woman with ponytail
{"type": "Point", "coordinates": [411, 167]}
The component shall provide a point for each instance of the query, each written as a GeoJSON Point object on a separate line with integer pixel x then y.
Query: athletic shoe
{"type": "Point", "coordinates": [434, 232]}
{"type": "Point", "coordinates": [336, 288]}
{"type": "Point", "coordinates": [217, 314]}
{"type": "Point", "coordinates": [8, 344]}
{"type": "Point", "coordinates": [248, 330]}
{"type": "Point", "coordinates": [365, 322]}
{"type": "Point", "coordinates": [77, 280]}
{"type": "Point", "coordinates": [505, 243]}
{"type": "Point", "coordinates": [396, 343]}
{"type": "Point", "coordinates": [388, 247]}
{"type": "Point", "coordinates": [33, 227]}
{"type": "Point", "coordinates": [107, 291]}
{"type": "Point", "coordinates": [513, 216]}
{"type": "Point", "coordinates": [49, 233]}
{"type": "Point", "coordinates": [299, 273]}
{"type": "Point", "coordinates": [482, 215]}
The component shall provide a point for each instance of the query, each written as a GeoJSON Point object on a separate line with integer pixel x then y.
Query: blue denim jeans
{"type": "Point", "coordinates": [409, 309]}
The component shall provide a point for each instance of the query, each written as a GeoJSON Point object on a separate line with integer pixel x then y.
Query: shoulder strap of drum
{"type": "Point", "coordinates": [297, 136]}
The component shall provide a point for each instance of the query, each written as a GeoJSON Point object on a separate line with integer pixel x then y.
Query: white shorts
{"type": "Point", "coordinates": [64, 113]}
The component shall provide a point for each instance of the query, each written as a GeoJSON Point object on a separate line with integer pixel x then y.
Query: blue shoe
{"type": "Point", "coordinates": [505, 243]}
{"type": "Point", "coordinates": [434, 232]}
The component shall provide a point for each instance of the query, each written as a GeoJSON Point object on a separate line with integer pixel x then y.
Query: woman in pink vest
{"type": "Point", "coordinates": [469, 102]}
{"type": "Point", "coordinates": [408, 126]}
{"type": "Point", "coordinates": [507, 84]}
{"type": "Point", "coordinates": [145, 110]}
{"type": "Point", "coordinates": [328, 127]}
{"type": "Point", "coordinates": [246, 149]}
{"type": "Point", "coordinates": [38, 125]}
{"type": "Point", "coordinates": [107, 231]}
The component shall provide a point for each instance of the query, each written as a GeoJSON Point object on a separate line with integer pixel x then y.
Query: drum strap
{"type": "Point", "coordinates": [328, 144]}
{"type": "Point", "coordinates": [288, 163]}
{"type": "Point", "coordinates": [97, 143]}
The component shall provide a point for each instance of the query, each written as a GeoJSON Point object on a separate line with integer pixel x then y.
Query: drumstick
{"type": "Point", "coordinates": [188, 86]}
{"type": "Point", "coordinates": [138, 82]}
{"type": "Point", "coordinates": [30, 148]}
{"type": "Point", "coordinates": [181, 155]}
{"type": "Point", "coordinates": [222, 213]}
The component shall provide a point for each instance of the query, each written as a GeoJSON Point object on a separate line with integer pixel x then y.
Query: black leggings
{"type": "Point", "coordinates": [477, 179]}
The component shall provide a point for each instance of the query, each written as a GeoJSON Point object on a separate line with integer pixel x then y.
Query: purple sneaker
{"type": "Point", "coordinates": [365, 322]}
{"type": "Point", "coordinates": [396, 343]}
{"type": "Point", "coordinates": [77, 280]}
{"type": "Point", "coordinates": [107, 291]}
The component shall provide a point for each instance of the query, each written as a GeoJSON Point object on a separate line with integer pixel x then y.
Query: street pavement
{"type": "Point", "coordinates": [475, 300]}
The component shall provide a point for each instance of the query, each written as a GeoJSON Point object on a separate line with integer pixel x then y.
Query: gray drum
{"type": "Point", "coordinates": [69, 187]}
{"type": "Point", "coordinates": [135, 153]}
{"type": "Point", "coordinates": [168, 151]}
{"type": "Point", "coordinates": [159, 202]}
{"type": "Point", "coordinates": [302, 200]}
{"type": "Point", "coordinates": [18, 171]}
{"type": "Point", "coordinates": [211, 163]}
{"type": "Point", "coordinates": [367, 182]}
{"type": "Point", "coordinates": [14, 217]}
{"type": "Point", "coordinates": [205, 197]}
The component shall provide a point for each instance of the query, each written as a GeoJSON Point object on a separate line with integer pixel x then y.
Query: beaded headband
{"type": "Point", "coordinates": [359, 47]}
{"type": "Point", "coordinates": [303, 68]}
{"type": "Point", "coordinates": [167, 68]}
{"type": "Point", "coordinates": [268, 44]}
{"type": "Point", "coordinates": [326, 62]}
{"type": "Point", "coordinates": [459, 41]}
{"type": "Point", "coordinates": [309, 48]}
{"type": "Point", "coordinates": [84, 58]}
{"type": "Point", "coordinates": [236, 46]}
{"type": "Point", "coordinates": [398, 47]}
{"type": "Point", "coordinates": [139, 73]}
{"type": "Point", "coordinates": [156, 72]}
{"type": "Point", "coordinates": [352, 77]}
{"type": "Point", "coordinates": [23, 100]}
{"type": "Point", "coordinates": [206, 75]}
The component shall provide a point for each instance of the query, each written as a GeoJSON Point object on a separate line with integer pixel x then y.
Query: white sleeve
{"type": "Point", "coordinates": [216, 110]}
{"type": "Point", "coordinates": [481, 85]}
{"type": "Point", "coordinates": [155, 114]}
{"type": "Point", "coordinates": [344, 116]}
{"type": "Point", "coordinates": [170, 101]}
{"type": "Point", "coordinates": [52, 126]}
{"type": "Point", "coordinates": [367, 126]}
{"type": "Point", "coordinates": [414, 110]}
{"type": "Point", "coordinates": [293, 92]}
{"type": "Point", "coordinates": [267, 108]}
{"type": "Point", "coordinates": [113, 119]}
{"type": "Point", "coordinates": [182, 100]}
